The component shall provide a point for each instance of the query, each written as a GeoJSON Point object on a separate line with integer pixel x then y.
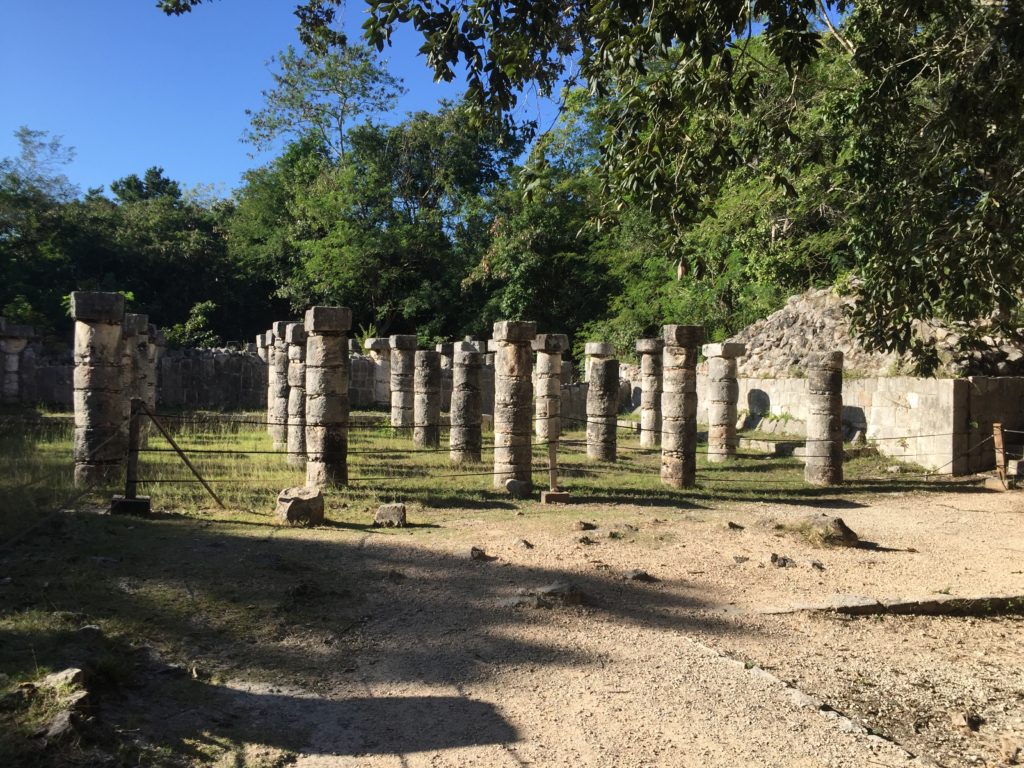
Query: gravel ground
{"type": "Point", "coordinates": [685, 670]}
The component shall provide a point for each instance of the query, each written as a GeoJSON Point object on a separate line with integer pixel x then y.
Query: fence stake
{"type": "Point", "coordinates": [181, 453]}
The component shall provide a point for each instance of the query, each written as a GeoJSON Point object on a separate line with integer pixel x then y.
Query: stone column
{"type": "Point", "coordinates": [403, 366]}
{"type": "Point", "coordinates": [157, 347]}
{"type": "Point", "coordinates": [466, 434]}
{"type": "Point", "coordinates": [650, 391]}
{"type": "Point", "coordinates": [679, 405]}
{"type": "Point", "coordinates": [602, 408]}
{"type": "Point", "coordinates": [327, 405]}
{"type": "Point", "coordinates": [379, 351]}
{"type": "Point", "coordinates": [723, 395]}
{"type": "Point", "coordinates": [548, 385]}
{"type": "Point", "coordinates": [427, 399]}
{"type": "Point", "coordinates": [100, 437]}
{"type": "Point", "coordinates": [295, 338]}
{"type": "Point", "coordinates": [13, 340]}
{"type": "Point", "coordinates": [261, 346]}
{"type": "Point", "coordinates": [823, 455]}
{"type": "Point", "coordinates": [596, 350]}
{"type": "Point", "coordinates": [278, 388]}
{"type": "Point", "coordinates": [446, 351]}
{"type": "Point", "coordinates": [513, 401]}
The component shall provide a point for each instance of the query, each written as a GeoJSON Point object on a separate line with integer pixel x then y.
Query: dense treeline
{"type": "Point", "coordinates": [442, 222]}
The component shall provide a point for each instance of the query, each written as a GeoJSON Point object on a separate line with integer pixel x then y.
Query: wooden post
{"type": "Point", "coordinates": [131, 503]}
{"type": "Point", "coordinates": [997, 440]}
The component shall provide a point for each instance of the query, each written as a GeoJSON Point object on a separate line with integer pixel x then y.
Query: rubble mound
{"type": "Point", "coordinates": [818, 321]}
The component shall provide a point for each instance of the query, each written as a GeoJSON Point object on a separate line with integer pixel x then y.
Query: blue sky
{"type": "Point", "coordinates": [130, 88]}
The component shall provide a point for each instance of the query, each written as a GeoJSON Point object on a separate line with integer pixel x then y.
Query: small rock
{"type": "Point", "coordinates": [585, 540]}
{"type": "Point", "coordinates": [561, 592]}
{"type": "Point", "coordinates": [303, 505]}
{"type": "Point", "coordinates": [740, 559]}
{"type": "Point", "coordinates": [614, 534]}
{"type": "Point", "coordinates": [476, 553]}
{"type": "Point", "coordinates": [965, 721]}
{"type": "Point", "coordinates": [638, 575]}
{"type": "Point", "coordinates": [524, 544]}
{"type": "Point", "coordinates": [390, 516]}
{"type": "Point", "coordinates": [781, 561]}
{"type": "Point", "coordinates": [1011, 750]}
{"type": "Point", "coordinates": [582, 525]}
{"type": "Point", "coordinates": [63, 679]}
{"type": "Point", "coordinates": [519, 489]}
{"type": "Point", "coordinates": [735, 526]}
{"type": "Point", "coordinates": [816, 565]}
{"type": "Point", "coordinates": [825, 530]}
{"type": "Point", "coordinates": [61, 727]}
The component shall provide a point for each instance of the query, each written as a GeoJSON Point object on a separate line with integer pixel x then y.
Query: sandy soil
{"type": "Point", "coordinates": [688, 670]}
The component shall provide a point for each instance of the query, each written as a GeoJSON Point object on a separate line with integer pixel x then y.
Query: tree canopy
{"type": "Point", "coordinates": [931, 104]}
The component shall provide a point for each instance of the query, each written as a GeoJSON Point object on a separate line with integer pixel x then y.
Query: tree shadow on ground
{"type": "Point", "coordinates": [318, 609]}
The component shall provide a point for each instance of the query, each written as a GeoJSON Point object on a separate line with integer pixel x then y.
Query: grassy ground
{"type": "Point", "coordinates": [173, 604]}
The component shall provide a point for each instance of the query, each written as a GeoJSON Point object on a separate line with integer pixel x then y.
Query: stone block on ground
{"type": "Point", "coordinates": [390, 516]}
{"type": "Point", "coordinates": [302, 505]}
{"type": "Point", "coordinates": [555, 497]}
{"type": "Point", "coordinates": [519, 489]}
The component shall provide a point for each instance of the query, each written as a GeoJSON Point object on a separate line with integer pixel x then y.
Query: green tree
{"type": "Point", "coordinates": [322, 94]}
{"type": "Point", "coordinates": [934, 118]}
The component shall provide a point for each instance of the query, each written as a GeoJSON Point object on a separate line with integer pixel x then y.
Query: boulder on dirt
{"type": "Point", "coordinates": [583, 525]}
{"type": "Point", "coordinates": [476, 553]}
{"type": "Point", "coordinates": [781, 561]}
{"type": "Point", "coordinates": [965, 721]}
{"type": "Point", "coordinates": [519, 489]}
{"type": "Point", "coordinates": [302, 505]}
{"type": "Point", "coordinates": [523, 544]}
{"type": "Point", "coordinates": [824, 531]}
{"type": "Point", "coordinates": [390, 516]}
{"type": "Point", "coordinates": [63, 679]}
{"type": "Point", "coordinates": [561, 593]}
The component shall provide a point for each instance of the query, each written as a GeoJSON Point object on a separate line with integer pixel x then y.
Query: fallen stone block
{"type": "Point", "coordinates": [390, 516]}
{"type": "Point", "coordinates": [302, 505]}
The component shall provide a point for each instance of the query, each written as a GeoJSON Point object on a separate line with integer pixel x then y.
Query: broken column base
{"type": "Point", "coordinates": [139, 506]}
{"type": "Point", "coordinates": [555, 497]}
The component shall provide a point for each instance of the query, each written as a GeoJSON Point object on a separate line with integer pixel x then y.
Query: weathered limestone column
{"type": "Point", "coordinates": [602, 408]}
{"type": "Point", "coordinates": [679, 405]}
{"type": "Point", "coordinates": [154, 349]}
{"type": "Point", "coordinates": [596, 350]}
{"type": "Point", "coordinates": [823, 456]}
{"type": "Point", "coordinates": [403, 366]}
{"type": "Point", "coordinates": [13, 340]}
{"type": "Point", "coordinates": [268, 344]}
{"type": "Point", "coordinates": [548, 385]}
{"type": "Point", "coordinates": [513, 401]}
{"type": "Point", "coordinates": [261, 346]}
{"type": "Point", "coordinates": [327, 405]}
{"type": "Point", "coordinates": [295, 338]}
{"type": "Point", "coordinates": [466, 435]}
{"type": "Point", "coordinates": [427, 399]}
{"type": "Point", "coordinates": [446, 351]}
{"type": "Point", "coordinates": [379, 350]}
{"type": "Point", "coordinates": [278, 386]}
{"type": "Point", "coordinates": [723, 395]}
{"type": "Point", "coordinates": [100, 438]}
{"type": "Point", "coordinates": [135, 335]}
{"type": "Point", "coordinates": [650, 351]}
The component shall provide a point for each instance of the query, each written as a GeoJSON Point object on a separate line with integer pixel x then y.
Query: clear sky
{"type": "Point", "coordinates": [130, 88]}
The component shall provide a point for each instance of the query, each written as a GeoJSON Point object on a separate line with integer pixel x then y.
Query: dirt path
{"type": "Point", "coordinates": [670, 673]}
